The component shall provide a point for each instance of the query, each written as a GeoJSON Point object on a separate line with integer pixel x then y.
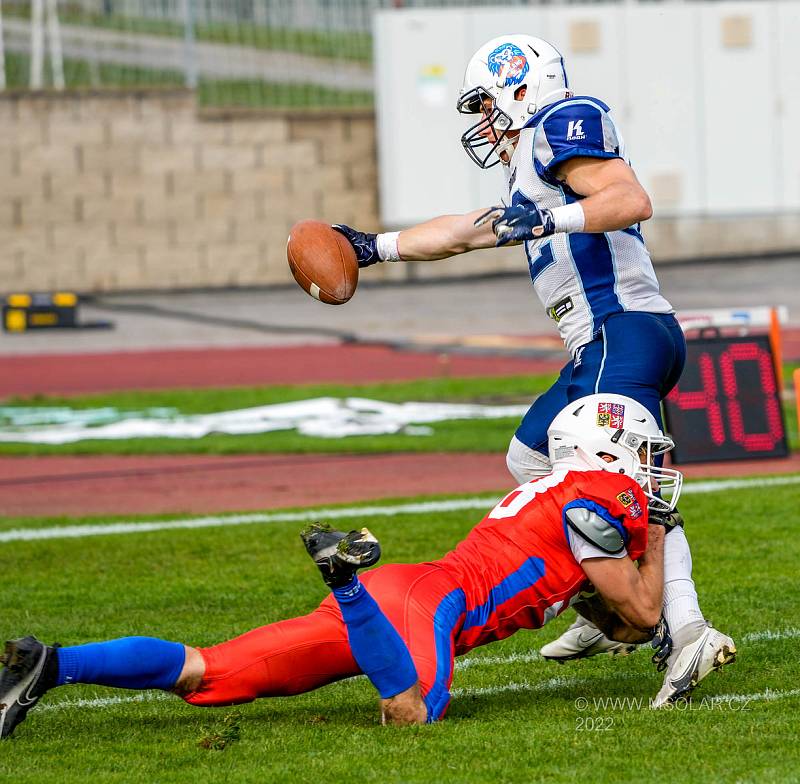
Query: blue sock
{"type": "Point", "coordinates": [377, 647]}
{"type": "Point", "coordinates": [129, 663]}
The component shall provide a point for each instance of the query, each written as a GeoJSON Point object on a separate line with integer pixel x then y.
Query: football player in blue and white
{"type": "Point", "coordinates": [575, 204]}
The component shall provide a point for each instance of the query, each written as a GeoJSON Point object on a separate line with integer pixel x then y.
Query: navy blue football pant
{"type": "Point", "coordinates": [640, 355]}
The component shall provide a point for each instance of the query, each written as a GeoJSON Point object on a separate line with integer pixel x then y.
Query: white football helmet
{"type": "Point", "coordinates": [492, 87]}
{"type": "Point", "coordinates": [592, 429]}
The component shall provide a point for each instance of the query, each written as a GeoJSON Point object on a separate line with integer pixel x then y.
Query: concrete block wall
{"type": "Point", "coordinates": [114, 191]}
{"type": "Point", "coordinates": [107, 191]}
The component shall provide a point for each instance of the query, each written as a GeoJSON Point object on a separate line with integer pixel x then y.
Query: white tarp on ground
{"type": "Point", "coordinates": [323, 417]}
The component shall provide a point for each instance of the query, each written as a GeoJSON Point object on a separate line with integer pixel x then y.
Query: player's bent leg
{"type": "Point", "coordinates": [681, 608]}
{"type": "Point", "coordinates": [408, 707]}
{"type": "Point", "coordinates": [427, 607]}
{"type": "Point", "coordinates": [698, 649]}
{"type": "Point", "coordinates": [693, 662]}
{"type": "Point", "coordinates": [525, 463]}
{"type": "Point", "coordinates": [379, 650]}
{"type": "Point", "coordinates": [527, 453]}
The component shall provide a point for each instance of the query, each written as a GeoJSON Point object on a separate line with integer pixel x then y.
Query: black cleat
{"type": "Point", "coordinates": [338, 555]}
{"type": "Point", "coordinates": [31, 668]}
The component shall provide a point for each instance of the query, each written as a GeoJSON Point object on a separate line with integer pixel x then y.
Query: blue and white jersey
{"type": "Point", "coordinates": [581, 279]}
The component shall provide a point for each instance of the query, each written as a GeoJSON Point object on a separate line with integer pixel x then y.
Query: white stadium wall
{"type": "Point", "coordinates": [707, 96]}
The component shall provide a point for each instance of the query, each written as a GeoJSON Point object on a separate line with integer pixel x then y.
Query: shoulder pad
{"type": "Point", "coordinates": [594, 529]}
{"type": "Point", "coordinates": [576, 127]}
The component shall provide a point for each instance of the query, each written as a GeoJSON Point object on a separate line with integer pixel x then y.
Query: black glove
{"type": "Point", "coordinates": [519, 222]}
{"type": "Point", "coordinates": [662, 644]}
{"type": "Point", "coordinates": [667, 520]}
{"type": "Point", "coordinates": [365, 245]}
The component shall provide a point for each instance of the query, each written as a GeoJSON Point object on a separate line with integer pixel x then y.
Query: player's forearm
{"type": "Point", "coordinates": [650, 590]}
{"type": "Point", "coordinates": [635, 595]}
{"type": "Point", "coordinates": [443, 237]}
{"type": "Point", "coordinates": [616, 206]}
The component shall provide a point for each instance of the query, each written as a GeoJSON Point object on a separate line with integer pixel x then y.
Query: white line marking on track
{"type": "Point", "coordinates": [216, 521]}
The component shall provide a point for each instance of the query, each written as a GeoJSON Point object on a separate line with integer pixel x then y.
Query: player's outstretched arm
{"type": "Point", "coordinates": [635, 595]}
{"type": "Point", "coordinates": [445, 236]}
{"type": "Point", "coordinates": [439, 238]}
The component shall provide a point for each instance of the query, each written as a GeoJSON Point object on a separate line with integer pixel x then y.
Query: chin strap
{"type": "Point", "coordinates": [505, 146]}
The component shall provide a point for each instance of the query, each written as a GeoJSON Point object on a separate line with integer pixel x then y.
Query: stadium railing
{"type": "Point", "coordinates": [278, 53]}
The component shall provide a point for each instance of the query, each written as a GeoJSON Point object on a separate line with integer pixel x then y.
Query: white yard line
{"type": "Point", "coordinates": [217, 521]}
{"type": "Point", "coordinates": [486, 661]}
{"type": "Point", "coordinates": [772, 634]}
{"type": "Point", "coordinates": [550, 684]}
{"type": "Point", "coordinates": [105, 702]}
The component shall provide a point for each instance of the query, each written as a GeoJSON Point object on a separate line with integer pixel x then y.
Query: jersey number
{"type": "Point", "coordinates": [511, 505]}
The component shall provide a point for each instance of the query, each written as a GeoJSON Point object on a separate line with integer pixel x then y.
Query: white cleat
{"type": "Point", "coordinates": [581, 640]}
{"type": "Point", "coordinates": [709, 652]}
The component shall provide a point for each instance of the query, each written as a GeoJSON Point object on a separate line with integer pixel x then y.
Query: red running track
{"type": "Point", "coordinates": [79, 374]}
{"type": "Point", "coordinates": [194, 484]}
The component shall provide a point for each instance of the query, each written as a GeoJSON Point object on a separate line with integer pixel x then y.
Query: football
{"type": "Point", "coordinates": [322, 261]}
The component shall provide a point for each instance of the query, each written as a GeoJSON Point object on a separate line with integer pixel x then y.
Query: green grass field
{"type": "Point", "coordinates": [514, 717]}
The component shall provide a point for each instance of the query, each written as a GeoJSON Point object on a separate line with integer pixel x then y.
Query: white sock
{"type": "Point", "coordinates": [681, 609]}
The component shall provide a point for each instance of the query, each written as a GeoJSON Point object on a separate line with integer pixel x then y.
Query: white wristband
{"type": "Point", "coordinates": [387, 246]}
{"type": "Point", "coordinates": [569, 217]}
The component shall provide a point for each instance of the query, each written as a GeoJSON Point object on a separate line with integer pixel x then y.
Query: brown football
{"type": "Point", "coordinates": [322, 261]}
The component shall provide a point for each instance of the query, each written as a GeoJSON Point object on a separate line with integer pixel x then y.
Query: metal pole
{"type": "Point", "coordinates": [37, 44]}
{"type": "Point", "coordinates": [189, 54]}
{"type": "Point", "coordinates": [56, 54]}
{"type": "Point", "coordinates": [2, 52]}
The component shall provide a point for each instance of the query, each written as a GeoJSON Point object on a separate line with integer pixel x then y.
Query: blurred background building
{"type": "Point", "coordinates": [156, 144]}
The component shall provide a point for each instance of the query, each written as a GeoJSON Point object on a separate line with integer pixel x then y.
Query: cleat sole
{"type": "Point", "coordinates": [727, 655]}
{"type": "Point", "coordinates": [11, 657]}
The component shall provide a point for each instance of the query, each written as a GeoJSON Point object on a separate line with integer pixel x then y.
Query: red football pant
{"type": "Point", "coordinates": [300, 654]}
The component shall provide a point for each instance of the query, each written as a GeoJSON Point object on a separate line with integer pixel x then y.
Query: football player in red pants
{"type": "Point", "coordinates": [545, 543]}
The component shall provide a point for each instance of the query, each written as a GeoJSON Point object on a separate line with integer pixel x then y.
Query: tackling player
{"type": "Point", "coordinates": [574, 201]}
{"type": "Point", "coordinates": [545, 545]}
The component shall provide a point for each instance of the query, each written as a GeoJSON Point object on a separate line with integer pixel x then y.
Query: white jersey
{"type": "Point", "coordinates": [581, 279]}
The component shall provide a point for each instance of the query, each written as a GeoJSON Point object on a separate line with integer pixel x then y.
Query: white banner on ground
{"type": "Point", "coordinates": [324, 417]}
